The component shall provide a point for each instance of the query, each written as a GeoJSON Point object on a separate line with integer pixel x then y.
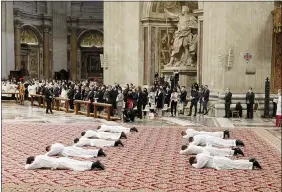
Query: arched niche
{"type": "Point", "coordinates": [89, 54]}
{"type": "Point", "coordinates": [31, 44]}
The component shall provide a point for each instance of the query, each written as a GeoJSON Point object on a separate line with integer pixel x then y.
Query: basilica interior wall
{"type": "Point", "coordinates": [123, 61]}
{"type": "Point", "coordinates": [242, 27]}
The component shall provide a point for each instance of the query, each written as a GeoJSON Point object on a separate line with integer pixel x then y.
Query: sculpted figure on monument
{"type": "Point", "coordinates": [184, 45]}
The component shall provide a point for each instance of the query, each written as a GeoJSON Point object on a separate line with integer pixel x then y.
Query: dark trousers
{"type": "Point", "coordinates": [71, 104]}
{"type": "Point", "coordinates": [139, 110]}
{"type": "Point", "coordinates": [173, 107]}
{"type": "Point", "coordinates": [205, 106]}
{"type": "Point", "coordinates": [227, 110]}
{"type": "Point", "coordinates": [200, 110]}
{"type": "Point", "coordinates": [48, 107]}
{"type": "Point", "coordinates": [191, 107]}
{"type": "Point", "coordinates": [250, 110]}
{"type": "Point", "coordinates": [274, 109]}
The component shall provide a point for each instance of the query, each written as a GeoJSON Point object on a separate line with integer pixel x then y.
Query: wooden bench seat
{"type": "Point", "coordinates": [108, 108]}
{"type": "Point", "coordinates": [57, 101]}
{"type": "Point", "coordinates": [17, 95]}
{"type": "Point", "coordinates": [78, 104]}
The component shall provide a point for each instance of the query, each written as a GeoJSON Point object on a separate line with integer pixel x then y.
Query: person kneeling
{"type": "Point", "coordinates": [44, 161]}
{"type": "Point", "coordinates": [204, 160]}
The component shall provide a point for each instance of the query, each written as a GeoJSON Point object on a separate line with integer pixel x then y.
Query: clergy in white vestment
{"type": "Point", "coordinates": [279, 108]}
{"type": "Point", "coordinates": [204, 140]}
{"type": "Point", "coordinates": [44, 161]}
{"type": "Point", "coordinates": [115, 129]}
{"type": "Point", "coordinates": [96, 142]}
{"type": "Point", "coordinates": [213, 151]}
{"type": "Point", "coordinates": [31, 90]}
{"type": "Point", "coordinates": [103, 135]}
{"type": "Point", "coordinates": [204, 160]}
{"type": "Point", "coordinates": [73, 151]}
{"type": "Point", "coordinates": [191, 133]}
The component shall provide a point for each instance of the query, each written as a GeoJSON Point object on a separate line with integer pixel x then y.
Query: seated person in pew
{"type": "Point", "coordinates": [191, 133]}
{"type": "Point", "coordinates": [103, 135]}
{"type": "Point", "coordinates": [44, 161]}
{"type": "Point", "coordinates": [204, 160]}
{"type": "Point", "coordinates": [96, 142]}
{"type": "Point", "coordinates": [213, 151]}
{"type": "Point", "coordinates": [73, 151]}
{"type": "Point", "coordinates": [204, 140]}
{"type": "Point", "coordinates": [115, 129]}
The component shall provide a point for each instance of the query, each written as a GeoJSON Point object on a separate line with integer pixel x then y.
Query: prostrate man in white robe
{"type": "Point", "coordinates": [73, 151]}
{"type": "Point", "coordinates": [213, 151]}
{"type": "Point", "coordinates": [44, 161]}
{"type": "Point", "coordinates": [204, 140]}
{"type": "Point", "coordinates": [191, 133]}
{"type": "Point", "coordinates": [115, 129]}
{"type": "Point", "coordinates": [203, 160]}
{"type": "Point", "coordinates": [96, 142]}
{"type": "Point", "coordinates": [103, 135]}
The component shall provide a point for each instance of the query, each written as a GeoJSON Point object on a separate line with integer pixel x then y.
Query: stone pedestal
{"type": "Point", "coordinates": [187, 75]}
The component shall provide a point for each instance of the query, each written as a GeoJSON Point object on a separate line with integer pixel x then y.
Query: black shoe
{"type": "Point", "coordinates": [189, 115]}
{"type": "Point", "coordinates": [118, 142]}
{"type": "Point", "coordinates": [224, 117]}
{"type": "Point", "coordinates": [226, 134]}
{"type": "Point", "coordinates": [238, 151]}
{"type": "Point", "coordinates": [51, 112]}
{"type": "Point", "coordinates": [239, 143]}
{"type": "Point", "coordinates": [200, 112]}
{"type": "Point", "coordinates": [123, 135]}
{"type": "Point", "coordinates": [47, 113]}
{"type": "Point", "coordinates": [133, 129]}
{"type": "Point", "coordinates": [256, 164]}
{"type": "Point", "coordinates": [101, 153]}
{"type": "Point", "coordinates": [252, 160]}
{"type": "Point", "coordinates": [183, 147]}
{"type": "Point", "coordinates": [97, 165]}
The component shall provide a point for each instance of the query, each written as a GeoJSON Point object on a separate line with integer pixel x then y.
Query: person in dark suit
{"type": "Point", "coordinates": [206, 97]}
{"type": "Point", "coordinates": [250, 100]}
{"type": "Point", "coordinates": [159, 100]}
{"type": "Point", "coordinates": [227, 99]}
{"type": "Point", "coordinates": [139, 102]}
{"type": "Point", "coordinates": [194, 101]}
{"type": "Point", "coordinates": [71, 95]}
{"type": "Point", "coordinates": [167, 96]}
{"type": "Point", "coordinates": [183, 99]}
{"type": "Point", "coordinates": [48, 97]}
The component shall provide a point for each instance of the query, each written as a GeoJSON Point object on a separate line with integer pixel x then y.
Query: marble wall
{"type": "Point", "coordinates": [123, 45]}
{"type": "Point", "coordinates": [7, 43]}
{"type": "Point", "coordinates": [243, 27]}
{"type": "Point", "coordinates": [59, 36]}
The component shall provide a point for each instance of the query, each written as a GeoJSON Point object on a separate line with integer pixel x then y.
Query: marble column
{"type": "Point", "coordinates": [46, 60]}
{"type": "Point", "coordinates": [17, 39]}
{"type": "Point", "coordinates": [73, 52]}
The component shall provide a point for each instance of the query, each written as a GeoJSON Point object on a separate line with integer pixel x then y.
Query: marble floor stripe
{"type": "Point", "coordinates": [179, 121]}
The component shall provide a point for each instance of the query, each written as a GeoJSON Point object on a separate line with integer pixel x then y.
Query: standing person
{"type": "Point", "coordinates": [48, 97]}
{"type": "Point", "coordinates": [145, 99]}
{"type": "Point", "coordinates": [139, 102]}
{"type": "Point", "coordinates": [71, 95]}
{"type": "Point", "coordinates": [159, 100]}
{"type": "Point", "coordinates": [200, 92]}
{"type": "Point", "coordinates": [22, 91]}
{"type": "Point", "coordinates": [250, 100]}
{"type": "Point", "coordinates": [206, 97]}
{"type": "Point", "coordinates": [183, 99]}
{"type": "Point", "coordinates": [279, 106]}
{"type": "Point", "coordinates": [152, 97]}
{"type": "Point", "coordinates": [227, 99]}
{"type": "Point", "coordinates": [167, 96]}
{"type": "Point", "coordinates": [119, 101]}
{"type": "Point", "coordinates": [194, 101]}
{"type": "Point", "coordinates": [173, 101]}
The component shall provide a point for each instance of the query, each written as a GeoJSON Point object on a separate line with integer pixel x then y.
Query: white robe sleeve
{"type": "Point", "coordinates": [56, 149]}
{"type": "Point", "coordinates": [202, 160]}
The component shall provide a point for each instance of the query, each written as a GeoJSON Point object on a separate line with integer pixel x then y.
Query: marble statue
{"type": "Point", "coordinates": [183, 38]}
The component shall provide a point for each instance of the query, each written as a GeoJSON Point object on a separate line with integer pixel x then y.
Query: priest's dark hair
{"type": "Point", "coordinates": [30, 159]}
{"type": "Point", "coordinates": [48, 148]}
{"type": "Point", "coordinates": [75, 140]}
{"type": "Point", "coordinates": [183, 147]}
{"type": "Point", "coordinates": [190, 139]}
{"type": "Point", "coordinates": [192, 160]}
{"type": "Point", "coordinates": [99, 127]}
{"type": "Point", "coordinates": [83, 133]}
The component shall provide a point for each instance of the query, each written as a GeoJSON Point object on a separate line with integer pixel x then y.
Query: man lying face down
{"type": "Point", "coordinates": [204, 160]}
{"type": "Point", "coordinates": [96, 142]}
{"type": "Point", "coordinates": [115, 129]}
{"type": "Point", "coordinates": [73, 151]}
{"type": "Point", "coordinates": [44, 161]}
{"type": "Point", "coordinates": [191, 133]}
{"type": "Point", "coordinates": [103, 135]}
{"type": "Point", "coordinates": [204, 140]}
{"type": "Point", "coordinates": [212, 151]}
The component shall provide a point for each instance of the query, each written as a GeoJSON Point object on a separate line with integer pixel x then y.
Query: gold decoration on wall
{"type": "Point", "coordinates": [28, 37]}
{"type": "Point", "coordinates": [92, 39]}
{"type": "Point", "coordinates": [277, 19]}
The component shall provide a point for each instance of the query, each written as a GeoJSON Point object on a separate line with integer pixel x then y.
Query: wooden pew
{"type": "Point", "coordinates": [40, 100]}
{"type": "Point", "coordinates": [17, 95]}
{"type": "Point", "coordinates": [78, 104]}
{"type": "Point", "coordinates": [57, 101]}
{"type": "Point", "coordinates": [108, 109]}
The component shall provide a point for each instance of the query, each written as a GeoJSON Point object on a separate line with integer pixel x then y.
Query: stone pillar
{"type": "Point", "coordinates": [46, 60]}
{"type": "Point", "coordinates": [73, 51]}
{"type": "Point", "coordinates": [17, 36]}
